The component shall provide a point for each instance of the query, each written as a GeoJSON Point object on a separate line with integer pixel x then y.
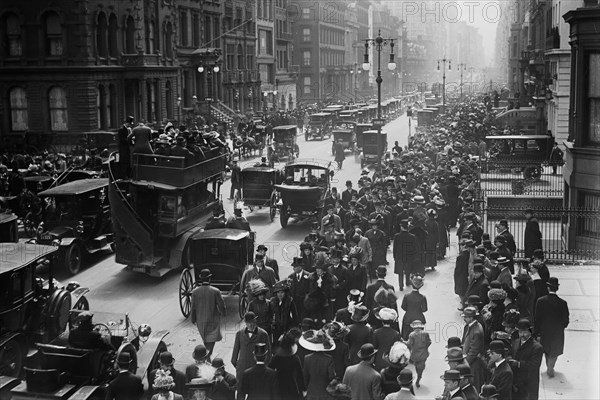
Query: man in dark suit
{"type": "Point", "coordinates": [533, 235]}
{"type": "Point", "coordinates": [551, 320]}
{"type": "Point", "coordinates": [225, 385]}
{"type": "Point", "coordinates": [501, 373]}
{"type": "Point", "coordinates": [478, 285]}
{"type": "Point", "coordinates": [166, 361]}
{"type": "Point", "coordinates": [259, 382]}
{"type": "Point", "coordinates": [502, 229]}
{"type": "Point", "coordinates": [85, 337]}
{"type": "Point", "coordinates": [473, 342]}
{"type": "Point", "coordinates": [126, 386]}
{"type": "Point", "coordinates": [526, 363]}
{"type": "Point", "coordinates": [381, 271]}
{"type": "Point", "coordinates": [405, 251]}
{"type": "Point", "coordinates": [299, 285]}
{"type": "Point", "coordinates": [348, 193]}
{"type": "Point", "coordinates": [467, 390]}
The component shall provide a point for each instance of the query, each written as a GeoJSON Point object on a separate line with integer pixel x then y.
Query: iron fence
{"type": "Point", "coordinates": [568, 235]}
{"type": "Point", "coordinates": [511, 181]}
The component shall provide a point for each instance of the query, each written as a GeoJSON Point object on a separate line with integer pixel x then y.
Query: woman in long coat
{"type": "Point", "coordinates": [433, 237]}
{"type": "Point", "coordinates": [357, 273]}
{"type": "Point", "coordinates": [285, 315]}
{"type": "Point", "coordinates": [461, 271]}
{"type": "Point", "coordinates": [289, 369]}
{"type": "Point", "coordinates": [414, 305]}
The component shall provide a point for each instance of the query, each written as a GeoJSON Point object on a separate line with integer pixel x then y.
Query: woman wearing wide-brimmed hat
{"type": "Point", "coordinates": [283, 307]}
{"type": "Point", "coordinates": [162, 385]}
{"type": "Point", "coordinates": [289, 369]}
{"type": "Point", "coordinates": [259, 304]}
{"type": "Point", "coordinates": [360, 332]}
{"type": "Point", "coordinates": [396, 360]}
{"type": "Point", "coordinates": [415, 305]}
{"type": "Point", "coordinates": [318, 367]}
{"type": "Point", "coordinates": [341, 356]}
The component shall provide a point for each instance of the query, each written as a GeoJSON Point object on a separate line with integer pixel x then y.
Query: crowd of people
{"type": "Point", "coordinates": [335, 328]}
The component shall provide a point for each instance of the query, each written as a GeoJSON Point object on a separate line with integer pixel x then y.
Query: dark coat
{"type": "Point", "coordinates": [347, 196]}
{"type": "Point", "coordinates": [289, 376]}
{"type": "Point", "coordinates": [480, 287]}
{"type": "Point", "coordinates": [510, 241]}
{"type": "Point", "coordinates": [357, 278]}
{"type": "Point", "coordinates": [318, 371]}
{"type": "Point", "coordinates": [431, 243]}
{"type": "Point", "coordinates": [527, 375]}
{"type": "Point", "coordinates": [415, 305]}
{"type": "Point", "coordinates": [341, 358]}
{"type": "Point", "coordinates": [360, 333]}
{"type": "Point", "coordinates": [338, 150]}
{"type": "Point", "coordinates": [344, 316]}
{"type": "Point", "coordinates": [502, 378]}
{"type": "Point", "coordinates": [341, 288]}
{"type": "Point", "coordinates": [420, 240]}
{"type": "Point", "coordinates": [285, 316]}
{"type": "Point", "coordinates": [533, 237]}
{"type": "Point", "coordinates": [372, 289]}
{"type": "Point", "coordinates": [87, 338]}
{"type": "Point", "coordinates": [551, 320]}
{"type": "Point", "coordinates": [383, 339]}
{"type": "Point", "coordinates": [405, 251]}
{"type": "Point", "coordinates": [298, 290]}
{"type": "Point", "coordinates": [126, 386]}
{"type": "Point", "coordinates": [224, 390]}
{"type": "Point", "coordinates": [260, 383]}
{"type": "Point", "coordinates": [461, 273]}
{"type": "Point", "coordinates": [242, 356]}
{"type": "Point", "coordinates": [379, 244]}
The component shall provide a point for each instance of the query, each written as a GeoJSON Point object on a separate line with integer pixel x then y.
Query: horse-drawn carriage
{"type": "Point", "coordinates": [306, 185]}
{"type": "Point", "coordinates": [257, 188]}
{"type": "Point", "coordinates": [284, 143]}
{"type": "Point", "coordinates": [33, 306]}
{"type": "Point", "coordinates": [227, 253]}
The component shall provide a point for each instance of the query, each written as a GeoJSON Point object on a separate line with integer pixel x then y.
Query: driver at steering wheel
{"type": "Point", "coordinates": [85, 337]}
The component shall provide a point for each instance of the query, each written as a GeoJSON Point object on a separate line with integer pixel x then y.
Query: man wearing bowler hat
{"type": "Point", "coordinates": [455, 358]}
{"type": "Point", "coordinates": [259, 381]}
{"type": "Point", "coordinates": [379, 242]}
{"type": "Point", "coordinates": [166, 361]}
{"type": "Point", "coordinates": [551, 320]}
{"type": "Point", "coordinates": [502, 230]}
{"type": "Point", "coordinates": [488, 392]}
{"type": "Point", "coordinates": [242, 356]}
{"type": "Point", "coordinates": [467, 390]}
{"type": "Point", "coordinates": [200, 356]}
{"type": "Point", "coordinates": [225, 382]}
{"type": "Point", "coordinates": [405, 252]}
{"type": "Point", "coordinates": [381, 272]}
{"type": "Point", "coordinates": [501, 373]}
{"type": "Point", "coordinates": [451, 380]}
{"type": "Point", "coordinates": [526, 363]}
{"type": "Point", "coordinates": [362, 377]}
{"type": "Point", "coordinates": [473, 345]}
{"type": "Point", "coordinates": [348, 193]}
{"type": "Point", "coordinates": [207, 309]}
{"type": "Point", "coordinates": [127, 385]}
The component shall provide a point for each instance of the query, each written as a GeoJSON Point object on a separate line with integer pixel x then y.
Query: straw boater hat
{"type": "Point", "coordinates": [314, 340]}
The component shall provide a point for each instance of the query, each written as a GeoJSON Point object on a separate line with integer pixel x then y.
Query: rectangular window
{"type": "Point", "coordinates": [306, 57]}
{"type": "Point", "coordinates": [593, 100]}
{"type": "Point", "coordinates": [18, 110]}
{"type": "Point", "coordinates": [217, 32]}
{"type": "Point", "coordinates": [196, 30]}
{"type": "Point", "coordinates": [183, 29]}
{"type": "Point", "coordinates": [58, 109]}
{"type": "Point", "coordinates": [270, 43]}
{"type": "Point", "coordinates": [306, 34]}
{"type": "Point", "coordinates": [306, 13]}
{"type": "Point", "coordinates": [306, 86]}
{"type": "Point", "coordinates": [262, 42]}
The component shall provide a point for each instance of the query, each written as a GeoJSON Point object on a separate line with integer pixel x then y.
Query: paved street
{"type": "Point", "coordinates": [155, 301]}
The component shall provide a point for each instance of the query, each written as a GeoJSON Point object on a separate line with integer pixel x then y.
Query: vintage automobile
{"type": "Point", "coordinates": [66, 372]}
{"type": "Point", "coordinates": [374, 147]}
{"type": "Point", "coordinates": [344, 131]}
{"type": "Point", "coordinates": [257, 188]}
{"type": "Point", "coordinates": [284, 143]}
{"type": "Point", "coordinates": [227, 253]}
{"type": "Point", "coordinates": [319, 126]}
{"type": "Point", "coordinates": [76, 219]}
{"type": "Point", "coordinates": [359, 129]}
{"type": "Point", "coordinates": [528, 153]}
{"type": "Point", "coordinates": [34, 307]}
{"type": "Point", "coordinates": [305, 187]}
{"type": "Point", "coordinates": [350, 115]}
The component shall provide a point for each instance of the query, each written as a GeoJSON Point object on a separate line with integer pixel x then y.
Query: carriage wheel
{"type": "Point", "coordinates": [283, 216]}
{"type": "Point", "coordinates": [82, 304]}
{"type": "Point", "coordinates": [243, 305]}
{"type": "Point", "coordinates": [29, 224]}
{"type": "Point", "coordinates": [186, 285]}
{"type": "Point", "coordinates": [273, 206]}
{"type": "Point", "coordinates": [11, 358]}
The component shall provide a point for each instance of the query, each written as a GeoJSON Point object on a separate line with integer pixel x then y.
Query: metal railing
{"type": "Point", "coordinates": [512, 180]}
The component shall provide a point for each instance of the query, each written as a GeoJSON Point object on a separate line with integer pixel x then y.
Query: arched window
{"type": "Point", "coordinates": [57, 104]}
{"type": "Point", "coordinates": [240, 56]}
{"type": "Point", "coordinates": [100, 106]}
{"type": "Point", "coordinates": [13, 40]}
{"type": "Point", "coordinates": [101, 36]}
{"type": "Point", "coordinates": [169, 99]}
{"type": "Point", "coordinates": [169, 40]}
{"type": "Point", "coordinates": [130, 35]}
{"type": "Point", "coordinates": [113, 42]}
{"type": "Point", "coordinates": [53, 31]}
{"type": "Point", "coordinates": [18, 109]}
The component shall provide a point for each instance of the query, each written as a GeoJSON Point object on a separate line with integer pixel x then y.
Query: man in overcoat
{"type": "Point", "coordinates": [381, 272]}
{"type": "Point", "coordinates": [259, 381]}
{"type": "Point", "coordinates": [502, 230]}
{"type": "Point", "coordinates": [533, 235]}
{"type": "Point", "coordinates": [242, 356]}
{"type": "Point", "coordinates": [379, 244]}
{"type": "Point", "coordinates": [405, 251]}
{"type": "Point", "coordinates": [551, 320]}
{"type": "Point", "coordinates": [299, 285]}
{"type": "Point", "coordinates": [338, 270]}
{"type": "Point", "coordinates": [207, 309]}
{"type": "Point", "coordinates": [501, 373]}
{"type": "Point", "coordinates": [348, 193]}
{"type": "Point", "coordinates": [473, 345]}
{"type": "Point", "coordinates": [478, 285]}
{"type": "Point", "coordinates": [362, 377]}
{"type": "Point", "coordinates": [526, 363]}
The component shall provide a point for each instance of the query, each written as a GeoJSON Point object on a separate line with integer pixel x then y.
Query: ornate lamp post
{"type": "Point", "coordinates": [379, 43]}
{"type": "Point", "coordinates": [444, 61]}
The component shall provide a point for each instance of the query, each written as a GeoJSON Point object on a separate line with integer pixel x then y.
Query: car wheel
{"type": "Point", "coordinates": [82, 304]}
{"type": "Point", "coordinates": [73, 258]}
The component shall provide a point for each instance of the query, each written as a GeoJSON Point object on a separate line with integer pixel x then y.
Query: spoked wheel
{"type": "Point", "coordinates": [243, 305]}
{"type": "Point", "coordinates": [283, 216]}
{"type": "Point", "coordinates": [73, 258]}
{"type": "Point", "coordinates": [11, 358]}
{"type": "Point", "coordinates": [186, 285]}
{"type": "Point", "coordinates": [29, 224]}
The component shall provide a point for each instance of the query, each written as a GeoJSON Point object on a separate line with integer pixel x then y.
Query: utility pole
{"type": "Point", "coordinates": [471, 80]}
{"type": "Point", "coordinates": [461, 68]}
{"type": "Point", "coordinates": [444, 60]}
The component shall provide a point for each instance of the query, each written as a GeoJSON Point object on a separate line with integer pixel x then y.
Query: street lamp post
{"type": "Point", "coordinates": [461, 68]}
{"type": "Point", "coordinates": [379, 44]}
{"type": "Point", "coordinates": [444, 61]}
